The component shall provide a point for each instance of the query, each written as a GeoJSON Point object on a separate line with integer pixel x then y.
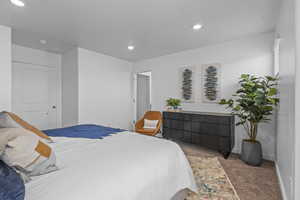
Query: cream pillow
{"type": "Point", "coordinates": [150, 124]}
{"type": "Point", "coordinates": [11, 120]}
{"type": "Point", "coordinates": [26, 152]}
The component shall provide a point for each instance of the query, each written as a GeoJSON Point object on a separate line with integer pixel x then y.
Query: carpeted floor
{"type": "Point", "coordinates": [251, 183]}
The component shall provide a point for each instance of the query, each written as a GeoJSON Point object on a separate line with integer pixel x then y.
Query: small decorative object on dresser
{"type": "Point", "coordinates": [253, 103]}
{"type": "Point", "coordinates": [173, 104]}
{"type": "Point", "coordinates": [212, 130]}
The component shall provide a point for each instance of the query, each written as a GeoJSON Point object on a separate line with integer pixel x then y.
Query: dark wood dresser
{"type": "Point", "coordinates": [211, 130]}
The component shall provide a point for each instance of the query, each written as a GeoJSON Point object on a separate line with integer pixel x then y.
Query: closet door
{"type": "Point", "coordinates": [35, 94]}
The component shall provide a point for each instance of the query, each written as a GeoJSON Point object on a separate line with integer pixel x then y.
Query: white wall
{"type": "Point", "coordinates": [42, 58]}
{"type": "Point", "coordinates": [297, 100]}
{"type": "Point", "coordinates": [104, 90]}
{"type": "Point", "coordinates": [70, 88]}
{"type": "Point", "coordinates": [286, 112]}
{"type": "Point", "coordinates": [6, 69]}
{"type": "Point", "coordinates": [248, 55]}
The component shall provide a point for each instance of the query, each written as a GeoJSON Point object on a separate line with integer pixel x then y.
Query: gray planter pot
{"type": "Point", "coordinates": [251, 153]}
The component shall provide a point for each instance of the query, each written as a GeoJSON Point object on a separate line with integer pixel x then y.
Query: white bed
{"type": "Point", "coordinates": [124, 166]}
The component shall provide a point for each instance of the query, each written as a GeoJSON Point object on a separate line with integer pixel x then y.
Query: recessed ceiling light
{"type": "Point", "coordinates": [197, 27]}
{"type": "Point", "coordinates": [18, 3]}
{"type": "Point", "coordinates": [130, 47]}
{"type": "Point", "coordinates": [43, 41]}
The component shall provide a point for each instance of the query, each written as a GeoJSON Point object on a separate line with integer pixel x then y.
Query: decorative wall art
{"type": "Point", "coordinates": [187, 75]}
{"type": "Point", "coordinates": [211, 75]}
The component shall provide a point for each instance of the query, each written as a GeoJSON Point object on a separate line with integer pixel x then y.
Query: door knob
{"type": "Point", "coordinates": [53, 107]}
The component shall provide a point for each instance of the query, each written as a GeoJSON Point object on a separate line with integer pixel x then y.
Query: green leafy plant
{"type": "Point", "coordinates": [175, 103]}
{"type": "Point", "coordinates": [253, 102]}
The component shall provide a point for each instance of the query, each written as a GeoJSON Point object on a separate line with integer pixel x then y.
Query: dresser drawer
{"type": "Point", "coordinates": [225, 143]}
{"type": "Point", "coordinates": [173, 124]}
{"type": "Point", "coordinates": [173, 115]}
{"type": "Point", "coordinates": [167, 123]}
{"type": "Point", "coordinates": [187, 137]}
{"type": "Point", "coordinates": [225, 131]}
{"type": "Point", "coordinates": [211, 119]}
{"type": "Point", "coordinates": [176, 124]}
{"type": "Point", "coordinates": [167, 133]}
{"type": "Point", "coordinates": [177, 134]}
{"type": "Point", "coordinates": [173, 133]}
{"type": "Point", "coordinates": [196, 138]}
{"type": "Point", "coordinates": [210, 129]}
{"type": "Point", "coordinates": [205, 129]}
{"type": "Point", "coordinates": [209, 141]}
{"type": "Point", "coordinates": [187, 126]}
{"type": "Point", "coordinates": [188, 117]}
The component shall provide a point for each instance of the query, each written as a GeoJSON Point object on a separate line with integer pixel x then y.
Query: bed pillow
{"type": "Point", "coordinates": [26, 152]}
{"type": "Point", "coordinates": [11, 120]}
{"type": "Point", "coordinates": [12, 186]}
{"type": "Point", "coordinates": [150, 124]}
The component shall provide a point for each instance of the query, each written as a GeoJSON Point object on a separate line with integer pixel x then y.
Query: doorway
{"type": "Point", "coordinates": [143, 93]}
{"type": "Point", "coordinates": [35, 94]}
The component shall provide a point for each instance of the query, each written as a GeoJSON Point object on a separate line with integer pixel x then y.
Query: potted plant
{"type": "Point", "coordinates": [253, 103]}
{"type": "Point", "coordinates": [173, 103]}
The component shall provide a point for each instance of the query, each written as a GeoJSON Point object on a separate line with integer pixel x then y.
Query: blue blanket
{"type": "Point", "coordinates": [11, 184]}
{"type": "Point", "coordinates": [89, 131]}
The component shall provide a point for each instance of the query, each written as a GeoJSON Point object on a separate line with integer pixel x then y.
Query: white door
{"type": "Point", "coordinates": [35, 90]}
{"type": "Point", "coordinates": [143, 95]}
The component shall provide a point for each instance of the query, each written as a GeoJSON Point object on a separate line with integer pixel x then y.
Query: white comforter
{"type": "Point", "coordinates": [125, 166]}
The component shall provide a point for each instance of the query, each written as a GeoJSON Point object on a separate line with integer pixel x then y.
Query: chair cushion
{"type": "Point", "coordinates": [150, 124]}
{"type": "Point", "coordinates": [11, 185]}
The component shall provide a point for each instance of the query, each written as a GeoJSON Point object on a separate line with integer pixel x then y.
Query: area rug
{"type": "Point", "coordinates": [212, 181]}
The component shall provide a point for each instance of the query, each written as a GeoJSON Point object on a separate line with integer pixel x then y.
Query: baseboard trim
{"type": "Point", "coordinates": [265, 156]}
{"type": "Point", "coordinates": [269, 157]}
{"type": "Point", "coordinates": [281, 185]}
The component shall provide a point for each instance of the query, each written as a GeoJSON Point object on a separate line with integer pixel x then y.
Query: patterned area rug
{"type": "Point", "coordinates": [212, 181]}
